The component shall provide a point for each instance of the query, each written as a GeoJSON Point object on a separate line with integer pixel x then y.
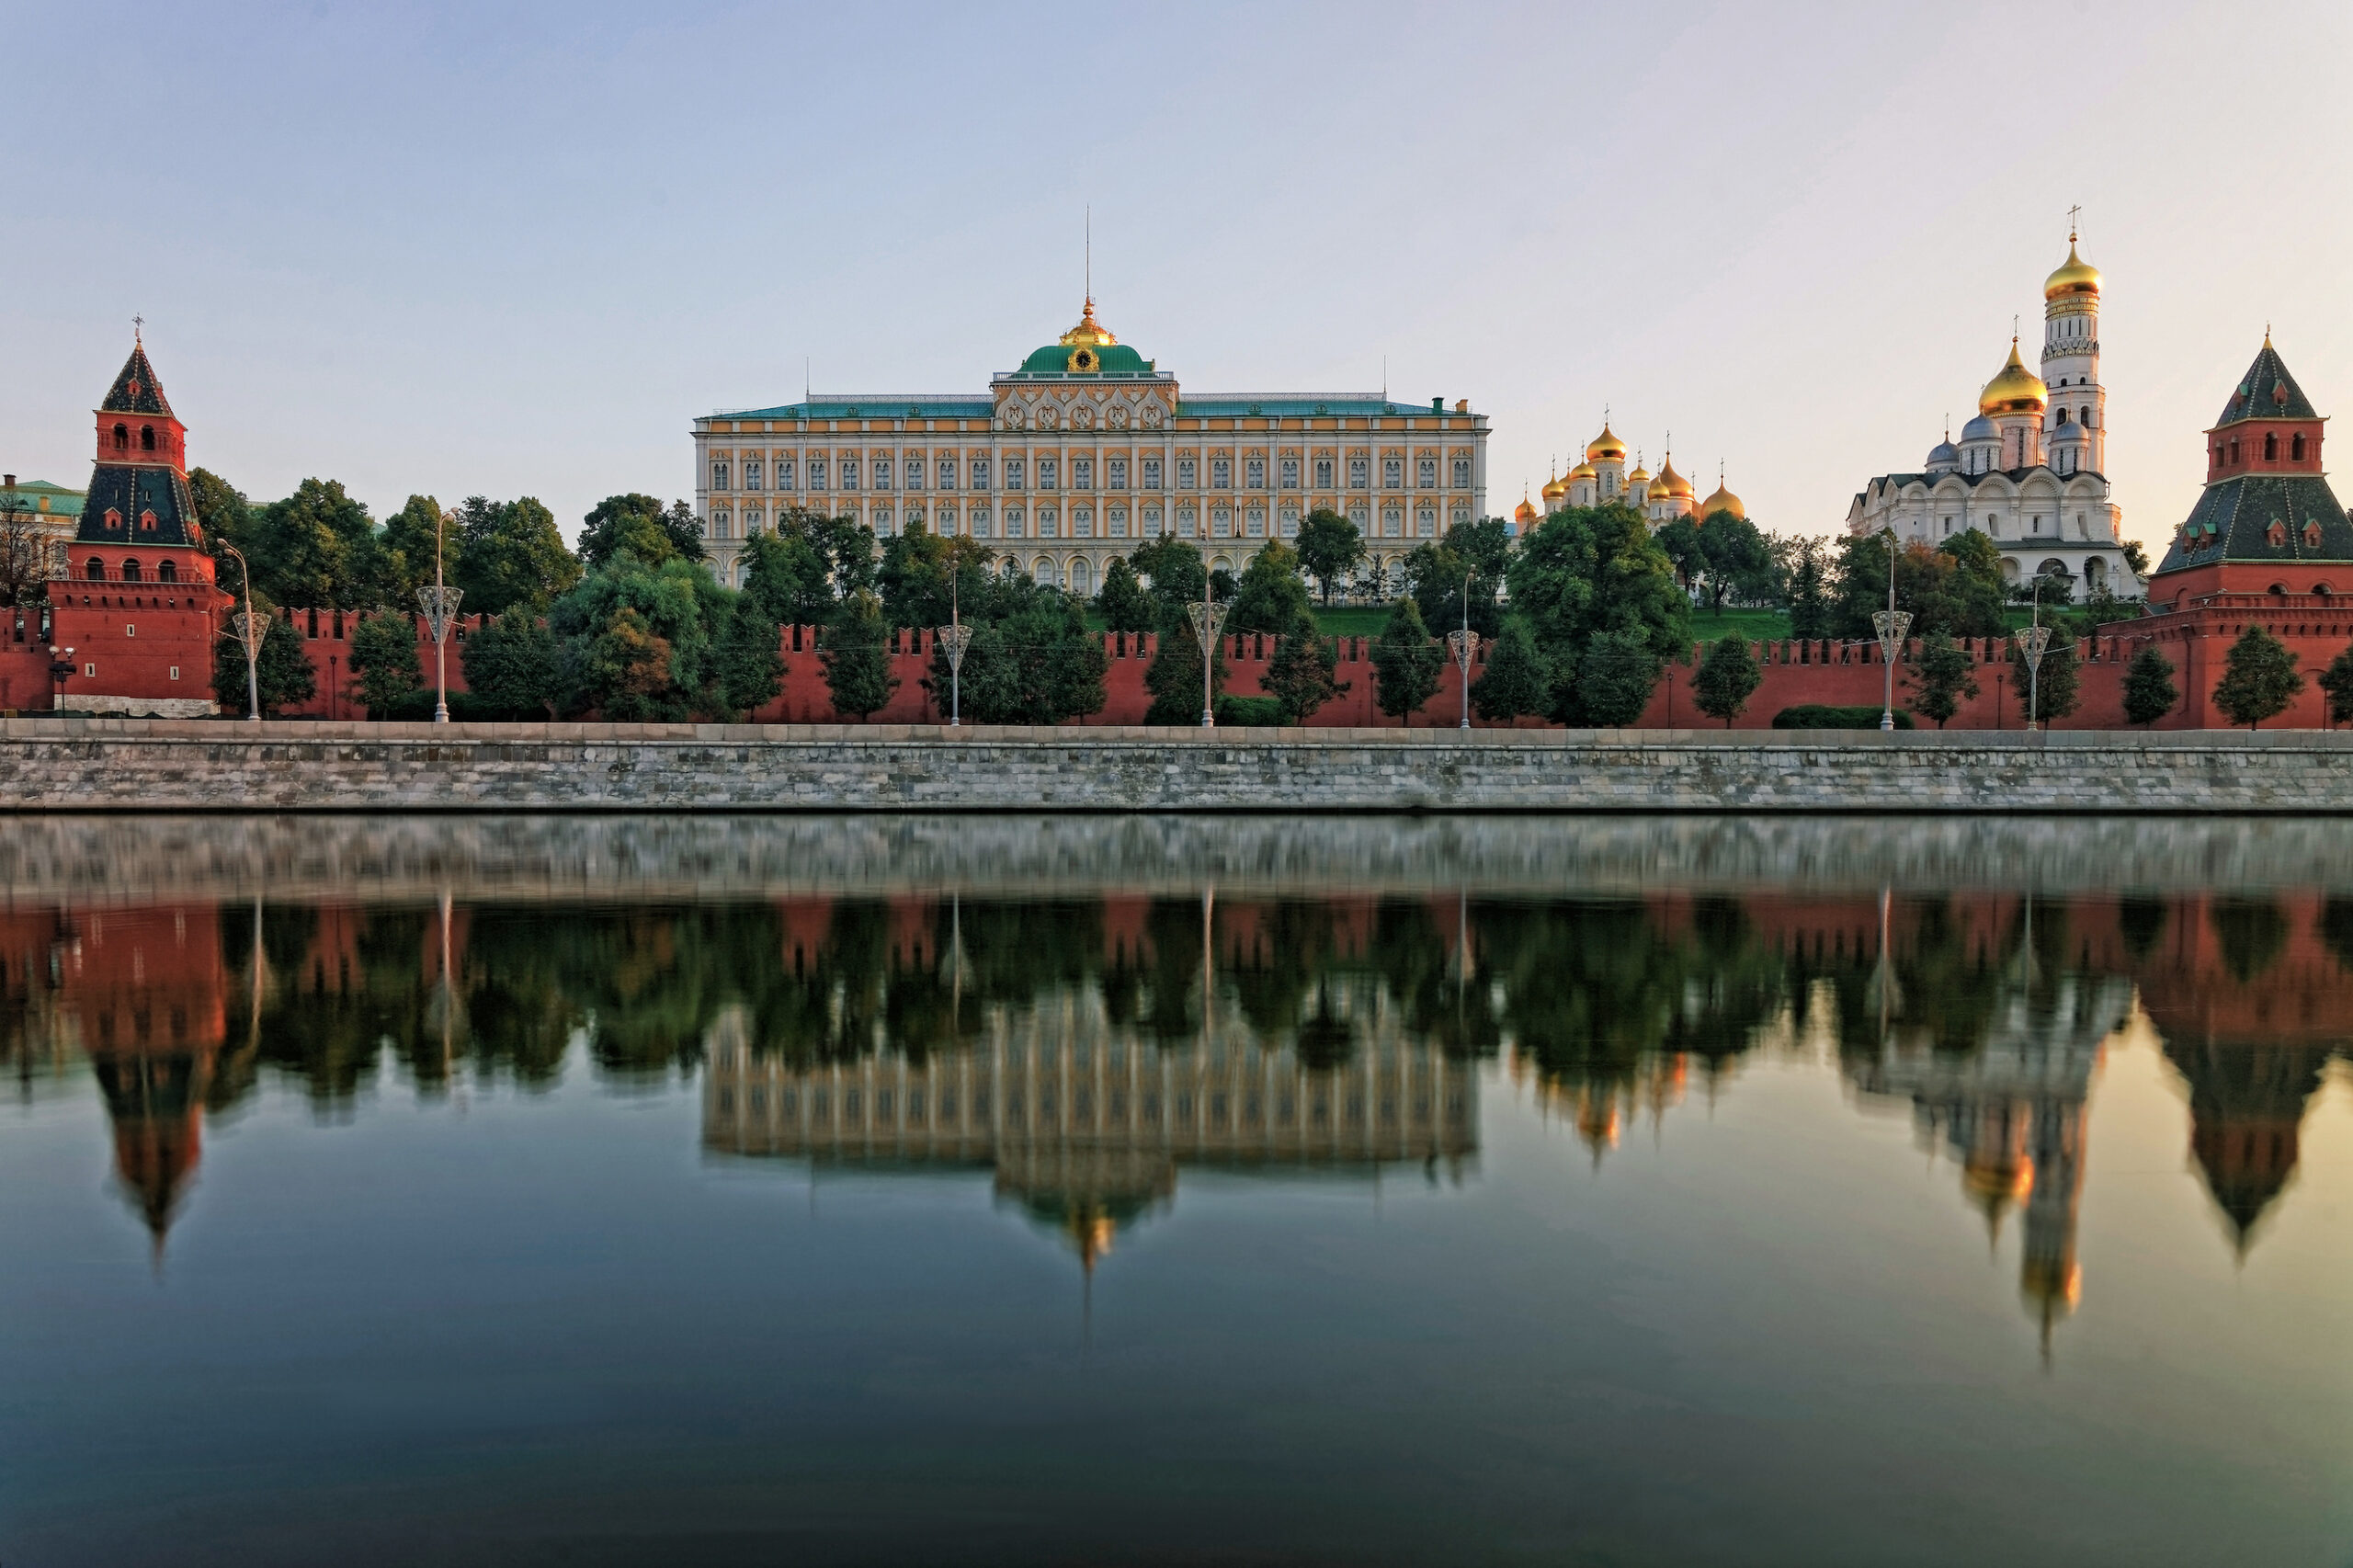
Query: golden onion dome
{"type": "Point", "coordinates": [2077, 276]}
{"type": "Point", "coordinates": [1658, 490]}
{"type": "Point", "coordinates": [1583, 471]}
{"type": "Point", "coordinates": [1677, 487]}
{"type": "Point", "coordinates": [1526, 511]}
{"type": "Point", "coordinates": [1606, 446]}
{"type": "Point", "coordinates": [1638, 478]}
{"type": "Point", "coordinates": [1723, 500]}
{"type": "Point", "coordinates": [1088, 333]}
{"type": "Point", "coordinates": [1555, 488]}
{"type": "Point", "coordinates": [2014, 389]}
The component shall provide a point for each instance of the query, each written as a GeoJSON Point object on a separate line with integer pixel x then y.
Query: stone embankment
{"type": "Point", "coordinates": [122, 765]}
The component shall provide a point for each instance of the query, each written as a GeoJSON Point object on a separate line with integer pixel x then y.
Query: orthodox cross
{"type": "Point", "coordinates": [2071, 223]}
{"type": "Point", "coordinates": [137, 324]}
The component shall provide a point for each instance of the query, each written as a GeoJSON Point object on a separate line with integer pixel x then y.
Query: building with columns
{"type": "Point", "coordinates": [1088, 450]}
{"type": "Point", "coordinates": [2029, 470]}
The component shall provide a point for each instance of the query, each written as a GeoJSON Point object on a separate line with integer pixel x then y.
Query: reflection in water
{"type": "Point", "coordinates": [1084, 1046]}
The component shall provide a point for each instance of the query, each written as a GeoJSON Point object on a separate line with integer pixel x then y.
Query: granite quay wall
{"type": "Point", "coordinates": [130, 764]}
{"type": "Point", "coordinates": [85, 860]}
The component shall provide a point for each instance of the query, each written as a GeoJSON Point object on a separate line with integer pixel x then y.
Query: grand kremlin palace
{"type": "Point", "coordinates": [1084, 453]}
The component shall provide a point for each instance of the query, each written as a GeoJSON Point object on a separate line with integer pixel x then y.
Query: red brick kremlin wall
{"type": "Point", "coordinates": [2196, 638]}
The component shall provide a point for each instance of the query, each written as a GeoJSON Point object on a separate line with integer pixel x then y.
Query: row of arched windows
{"type": "Point", "coordinates": [95, 570]}
{"type": "Point", "coordinates": [146, 437]}
{"type": "Point", "coordinates": [2271, 447]}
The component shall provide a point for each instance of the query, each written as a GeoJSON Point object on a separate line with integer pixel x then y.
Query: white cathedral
{"type": "Point", "coordinates": [2029, 470]}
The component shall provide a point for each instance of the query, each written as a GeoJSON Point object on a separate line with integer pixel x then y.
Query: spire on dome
{"type": "Point", "coordinates": [136, 389]}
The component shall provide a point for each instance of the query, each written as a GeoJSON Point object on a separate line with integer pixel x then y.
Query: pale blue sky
{"type": "Point", "coordinates": [514, 250]}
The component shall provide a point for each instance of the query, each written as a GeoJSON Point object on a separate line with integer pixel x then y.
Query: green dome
{"type": "Point", "coordinates": [1086, 350]}
{"type": "Point", "coordinates": [1117, 359]}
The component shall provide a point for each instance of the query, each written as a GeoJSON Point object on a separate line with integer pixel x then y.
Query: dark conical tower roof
{"type": "Point", "coordinates": [2267, 391]}
{"type": "Point", "coordinates": [136, 389]}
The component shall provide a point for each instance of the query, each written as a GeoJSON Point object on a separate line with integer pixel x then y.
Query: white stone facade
{"type": "Point", "coordinates": [2028, 470]}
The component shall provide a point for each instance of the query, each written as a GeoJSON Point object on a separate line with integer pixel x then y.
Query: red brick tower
{"type": "Point", "coordinates": [136, 601]}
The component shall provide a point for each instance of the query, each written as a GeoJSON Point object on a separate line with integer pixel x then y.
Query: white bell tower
{"type": "Point", "coordinates": [2071, 354]}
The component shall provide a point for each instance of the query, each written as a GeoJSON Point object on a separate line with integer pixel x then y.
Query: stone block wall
{"type": "Point", "coordinates": [207, 766]}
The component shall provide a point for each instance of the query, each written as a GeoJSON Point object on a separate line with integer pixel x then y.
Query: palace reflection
{"type": "Point", "coordinates": [1083, 1051]}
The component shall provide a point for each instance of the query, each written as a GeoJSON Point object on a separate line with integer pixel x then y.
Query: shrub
{"type": "Point", "coordinates": [1248, 712]}
{"type": "Point", "coordinates": [1822, 716]}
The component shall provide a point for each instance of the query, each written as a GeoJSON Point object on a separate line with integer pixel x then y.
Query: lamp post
{"type": "Point", "coordinates": [1464, 643]}
{"type": "Point", "coordinates": [2032, 642]}
{"type": "Point", "coordinates": [1207, 617]}
{"type": "Point", "coordinates": [60, 664]}
{"type": "Point", "coordinates": [954, 638]}
{"type": "Point", "coordinates": [439, 603]}
{"type": "Point", "coordinates": [1891, 624]}
{"type": "Point", "coordinates": [250, 632]}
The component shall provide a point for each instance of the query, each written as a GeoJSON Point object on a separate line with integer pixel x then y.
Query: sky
{"type": "Point", "coordinates": [506, 250]}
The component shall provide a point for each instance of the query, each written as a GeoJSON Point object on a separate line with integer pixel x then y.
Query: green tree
{"type": "Point", "coordinates": [403, 555]}
{"type": "Point", "coordinates": [1943, 678]}
{"type": "Point", "coordinates": [283, 670]}
{"type": "Point", "coordinates": [2136, 556]}
{"type": "Point", "coordinates": [637, 640]}
{"type": "Point", "coordinates": [1303, 673]}
{"type": "Point", "coordinates": [1475, 555]}
{"type": "Point", "coordinates": [1406, 662]}
{"type": "Point", "coordinates": [1682, 544]}
{"type": "Point", "coordinates": [1122, 601]}
{"type": "Point", "coordinates": [856, 656]}
{"type": "Point", "coordinates": [1809, 589]}
{"type": "Point", "coordinates": [1616, 677]}
{"type": "Point", "coordinates": [1271, 597]}
{"type": "Point", "coordinates": [637, 523]}
{"type": "Point", "coordinates": [513, 665]}
{"type": "Point", "coordinates": [1739, 561]}
{"type": "Point", "coordinates": [510, 556]}
{"type": "Point", "coordinates": [791, 576]}
{"type": "Point", "coordinates": [749, 661]}
{"type": "Point", "coordinates": [1033, 659]}
{"type": "Point", "coordinates": [1955, 588]}
{"type": "Point", "coordinates": [2259, 679]}
{"type": "Point", "coordinates": [1515, 679]}
{"type": "Point", "coordinates": [383, 657]}
{"type": "Point", "coordinates": [1584, 570]}
{"type": "Point", "coordinates": [315, 549]}
{"type": "Point", "coordinates": [2337, 680]}
{"type": "Point", "coordinates": [2149, 691]}
{"type": "Point", "coordinates": [1725, 679]}
{"type": "Point", "coordinates": [223, 513]}
{"type": "Point", "coordinates": [1172, 572]}
{"type": "Point", "coordinates": [1329, 548]}
{"type": "Point", "coordinates": [2056, 688]}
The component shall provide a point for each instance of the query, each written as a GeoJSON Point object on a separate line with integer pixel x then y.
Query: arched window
{"type": "Point", "coordinates": [2235, 449]}
{"type": "Point", "coordinates": [2082, 416]}
{"type": "Point", "coordinates": [2296, 449]}
{"type": "Point", "coordinates": [131, 570]}
{"type": "Point", "coordinates": [122, 438]}
{"type": "Point", "coordinates": [146, 437]}
{"type": "Point", "coordinates": [2062, 414]}
{"type": "Point", "coordinates": [169, 572]}
{"type": "Point", "coordinates": [2271, 445]}
{"type": "Point", "coordinates": [96, 571]}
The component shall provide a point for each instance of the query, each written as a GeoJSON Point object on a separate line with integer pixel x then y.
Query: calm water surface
{"type": "Point", "coordinates": [1250, 1190]}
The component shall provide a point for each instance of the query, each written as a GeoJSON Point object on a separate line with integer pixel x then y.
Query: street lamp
{"type": "Point", "coordinates": [60, 664]}
{"type": "Point", "coordinates": [440, 605]}
{"type": "Point", "coordinates": [1207, 617]}
{"type": "Point", "coordinates": [954, 638]}
{"type": "Point", "coordinates": [1891, 624]}
{"type": "Point", "coordinates": [250, 632]}
{"type": "Point", "coordinates": [2032, 642]}
{"type": "Point", "coordinates": [1465, 645]}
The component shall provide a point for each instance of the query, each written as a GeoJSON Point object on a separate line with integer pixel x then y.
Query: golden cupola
{"type": "Point", "coordinates": [1554, 489]}
{"type": "Point", "coordinates": [1089, 333]}
{"type": "Point", "coordinates": [2014, 389]}
{"type": "Point", "coordinates": [1722, 500]}
{"type": "Point", "coordinates": [1636, 480]}
{"type": "Point", "coordinates": [1526, 511]}
{"type": "Point", "coordinates": [1671, 485]}
{"type": "Point", "coordinates": [1583, 471]}
{"type": "Point", "coordinates": [2076, 277]}
{"type": "Point", "coordinates": [1606, 448]}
